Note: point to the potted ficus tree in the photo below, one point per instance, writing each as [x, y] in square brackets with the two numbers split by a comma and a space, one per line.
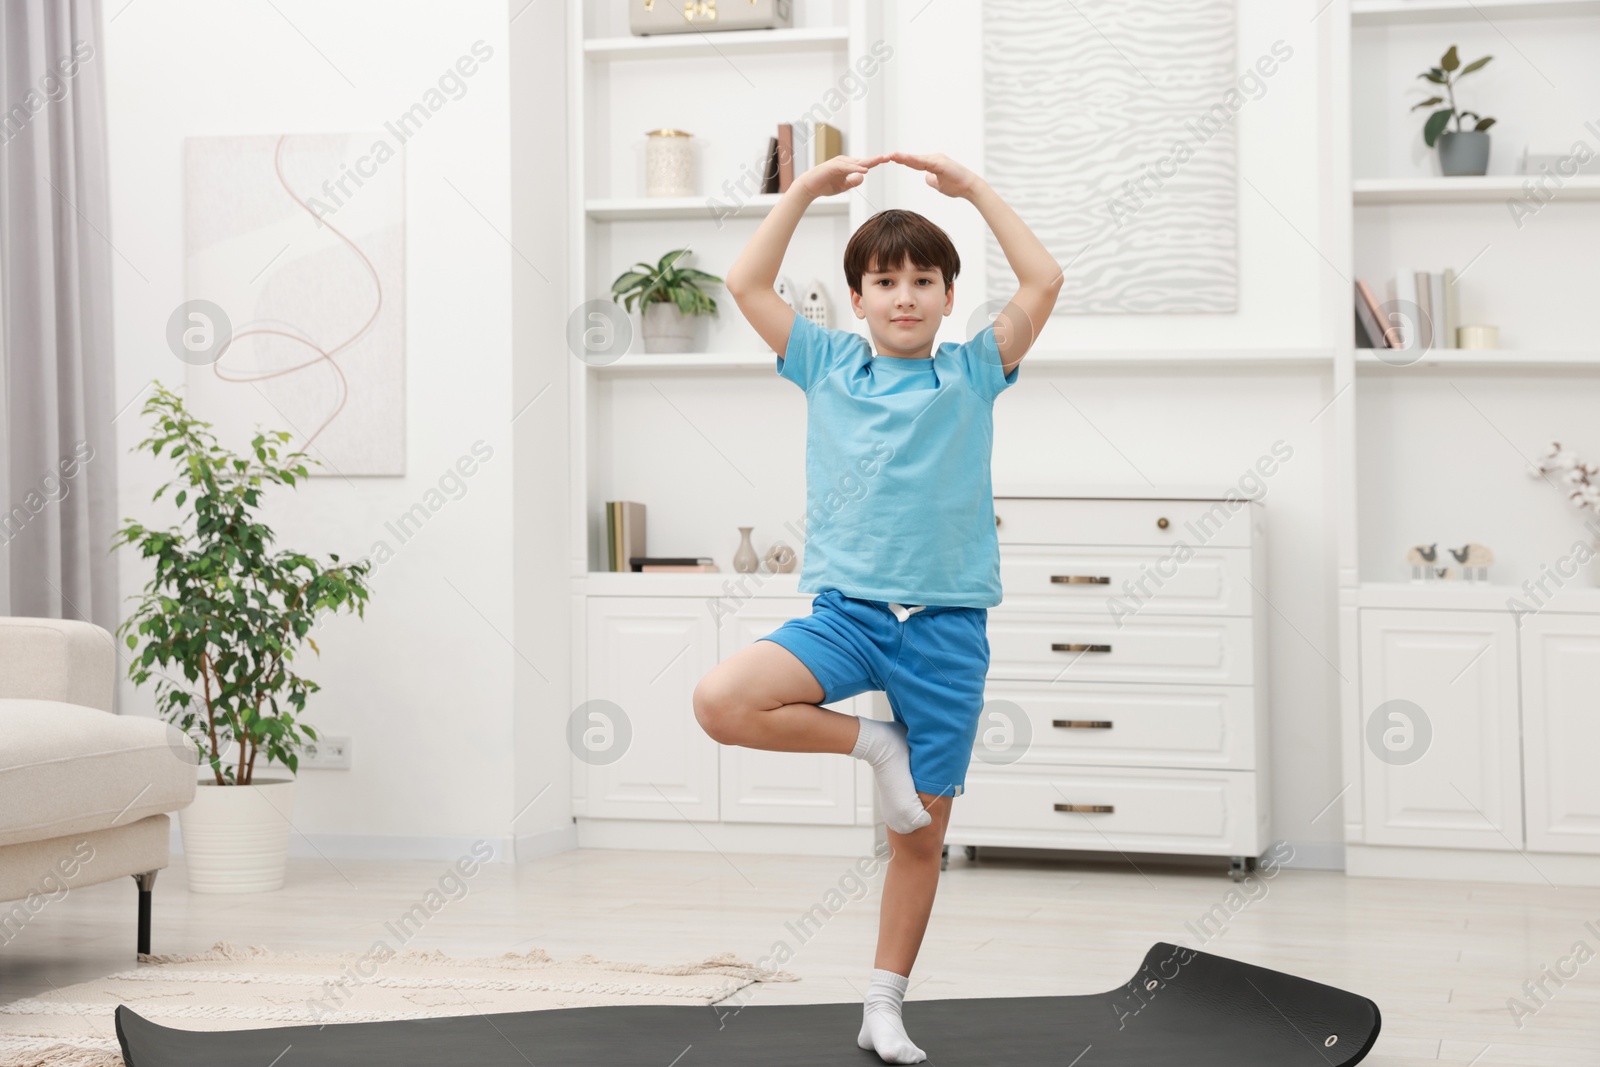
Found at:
[669, 297]
[227, 615]
[1461, 152]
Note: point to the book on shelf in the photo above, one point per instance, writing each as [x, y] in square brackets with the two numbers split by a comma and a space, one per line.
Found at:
[1384, 333]
[672, 564]
[1442, 334]
[769, 170]
[1424, 302]
[827, 142]
[1451, 302]
[1405, 298]
[624, 532]
[1368, 333]
[785, 156]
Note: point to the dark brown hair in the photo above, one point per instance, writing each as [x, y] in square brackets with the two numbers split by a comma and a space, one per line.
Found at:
[892, 237]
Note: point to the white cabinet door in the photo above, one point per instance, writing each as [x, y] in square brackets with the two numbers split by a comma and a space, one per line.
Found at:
[1561, 731]
[814, 788]
[645, 656]
[1451, 776]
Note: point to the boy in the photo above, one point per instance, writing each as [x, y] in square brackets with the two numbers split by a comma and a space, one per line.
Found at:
[906, 570]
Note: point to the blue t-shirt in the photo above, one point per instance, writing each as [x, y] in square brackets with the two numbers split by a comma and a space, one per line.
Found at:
[899, 500]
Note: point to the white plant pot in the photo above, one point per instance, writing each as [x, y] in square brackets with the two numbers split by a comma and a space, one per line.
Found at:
[666, 329]
[236, 837]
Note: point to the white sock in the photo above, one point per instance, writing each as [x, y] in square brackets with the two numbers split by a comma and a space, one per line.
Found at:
[883, 745]
[882, 1030]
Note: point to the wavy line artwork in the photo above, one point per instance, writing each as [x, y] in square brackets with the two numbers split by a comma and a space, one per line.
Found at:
[1102, 129]
[316, 309]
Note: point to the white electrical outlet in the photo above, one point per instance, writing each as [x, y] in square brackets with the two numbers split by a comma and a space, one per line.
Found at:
[329, 752]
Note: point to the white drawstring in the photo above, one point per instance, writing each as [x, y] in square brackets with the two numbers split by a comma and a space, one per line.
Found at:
[904, 613]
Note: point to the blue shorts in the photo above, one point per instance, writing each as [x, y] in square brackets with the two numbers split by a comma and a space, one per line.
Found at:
[931, 666]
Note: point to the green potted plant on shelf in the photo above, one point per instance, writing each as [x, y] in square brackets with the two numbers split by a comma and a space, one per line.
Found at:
[229, 615]
[1461, 152]
[670, 299]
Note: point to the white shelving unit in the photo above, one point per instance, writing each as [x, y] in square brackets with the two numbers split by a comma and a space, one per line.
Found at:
[1422, 443]
[642, 640]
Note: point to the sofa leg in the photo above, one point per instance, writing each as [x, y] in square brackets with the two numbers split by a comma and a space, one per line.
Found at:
[147, 882]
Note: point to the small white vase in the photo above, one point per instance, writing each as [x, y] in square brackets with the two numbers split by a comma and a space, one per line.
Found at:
[236, 837]
[667, 329]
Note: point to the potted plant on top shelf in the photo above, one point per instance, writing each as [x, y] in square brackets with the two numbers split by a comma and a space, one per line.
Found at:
[1461, 152]
[670, 299]
[229, 614]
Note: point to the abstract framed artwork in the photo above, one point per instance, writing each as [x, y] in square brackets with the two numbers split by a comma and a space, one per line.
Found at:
[299, 240]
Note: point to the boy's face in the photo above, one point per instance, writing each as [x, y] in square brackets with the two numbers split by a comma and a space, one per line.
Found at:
[903, 308]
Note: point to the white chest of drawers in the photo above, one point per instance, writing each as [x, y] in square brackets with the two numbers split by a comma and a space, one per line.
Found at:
[1125, 708]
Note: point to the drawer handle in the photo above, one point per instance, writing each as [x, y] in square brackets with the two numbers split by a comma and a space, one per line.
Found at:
[1162, 522]
[1083, 724]
[1080, 579]
[1060, 646]
[1087, 808]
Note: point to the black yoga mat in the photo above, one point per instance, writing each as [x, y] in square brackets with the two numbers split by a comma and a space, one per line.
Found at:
[1183, 1007]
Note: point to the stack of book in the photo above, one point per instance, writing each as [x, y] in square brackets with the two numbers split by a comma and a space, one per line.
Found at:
[780, 169]
[1423, 311]
[625, 544]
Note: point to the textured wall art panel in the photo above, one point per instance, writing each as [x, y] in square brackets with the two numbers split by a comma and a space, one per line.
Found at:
[1109, 125]
[300, 240]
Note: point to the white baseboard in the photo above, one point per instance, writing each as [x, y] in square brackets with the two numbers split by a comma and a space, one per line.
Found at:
[760, 838]
[1563, 869]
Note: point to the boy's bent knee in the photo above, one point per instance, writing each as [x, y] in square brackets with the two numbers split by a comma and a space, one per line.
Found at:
[715, 709]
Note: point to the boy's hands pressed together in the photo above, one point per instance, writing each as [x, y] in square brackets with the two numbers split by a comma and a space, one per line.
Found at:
[944, 174]
[837, 175]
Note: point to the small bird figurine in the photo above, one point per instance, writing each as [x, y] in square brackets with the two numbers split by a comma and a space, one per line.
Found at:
[1421, 558]
[1474, 559]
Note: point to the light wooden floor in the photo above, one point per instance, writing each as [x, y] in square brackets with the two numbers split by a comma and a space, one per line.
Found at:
[1441, 959]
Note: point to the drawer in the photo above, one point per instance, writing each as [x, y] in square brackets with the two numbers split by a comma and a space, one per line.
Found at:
[1109, 725]
[1095, 648]
[1130, 809]
[1079, 521]
[1123, 581]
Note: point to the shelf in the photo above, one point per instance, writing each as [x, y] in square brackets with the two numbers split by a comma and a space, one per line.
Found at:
[1494, 187]
[694, 584]
[1476, 596]
[723, 43]
[1398, 12]
[649, 362]
[1489, 359]
[645, 208]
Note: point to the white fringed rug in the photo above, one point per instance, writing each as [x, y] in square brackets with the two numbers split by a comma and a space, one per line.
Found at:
[231, 988]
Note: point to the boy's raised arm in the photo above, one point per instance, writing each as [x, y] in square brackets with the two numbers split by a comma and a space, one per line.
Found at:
[751, 278]
[1038, 274]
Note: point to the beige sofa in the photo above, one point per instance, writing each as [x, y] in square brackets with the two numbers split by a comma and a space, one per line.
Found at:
[84, 793]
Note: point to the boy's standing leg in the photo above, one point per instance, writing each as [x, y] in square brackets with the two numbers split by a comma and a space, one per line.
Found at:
[908, 891]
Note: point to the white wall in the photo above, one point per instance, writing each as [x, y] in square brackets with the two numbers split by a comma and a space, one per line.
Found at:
[424, 683]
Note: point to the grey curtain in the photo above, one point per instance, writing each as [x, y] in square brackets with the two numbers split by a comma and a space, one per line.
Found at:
[58, 463]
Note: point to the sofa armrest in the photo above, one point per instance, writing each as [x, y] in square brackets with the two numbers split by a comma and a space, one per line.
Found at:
[57, 659]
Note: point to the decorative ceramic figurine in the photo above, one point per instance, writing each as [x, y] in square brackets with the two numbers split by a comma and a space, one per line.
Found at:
[780, 558]
[1421, 558]
[1475, 558]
